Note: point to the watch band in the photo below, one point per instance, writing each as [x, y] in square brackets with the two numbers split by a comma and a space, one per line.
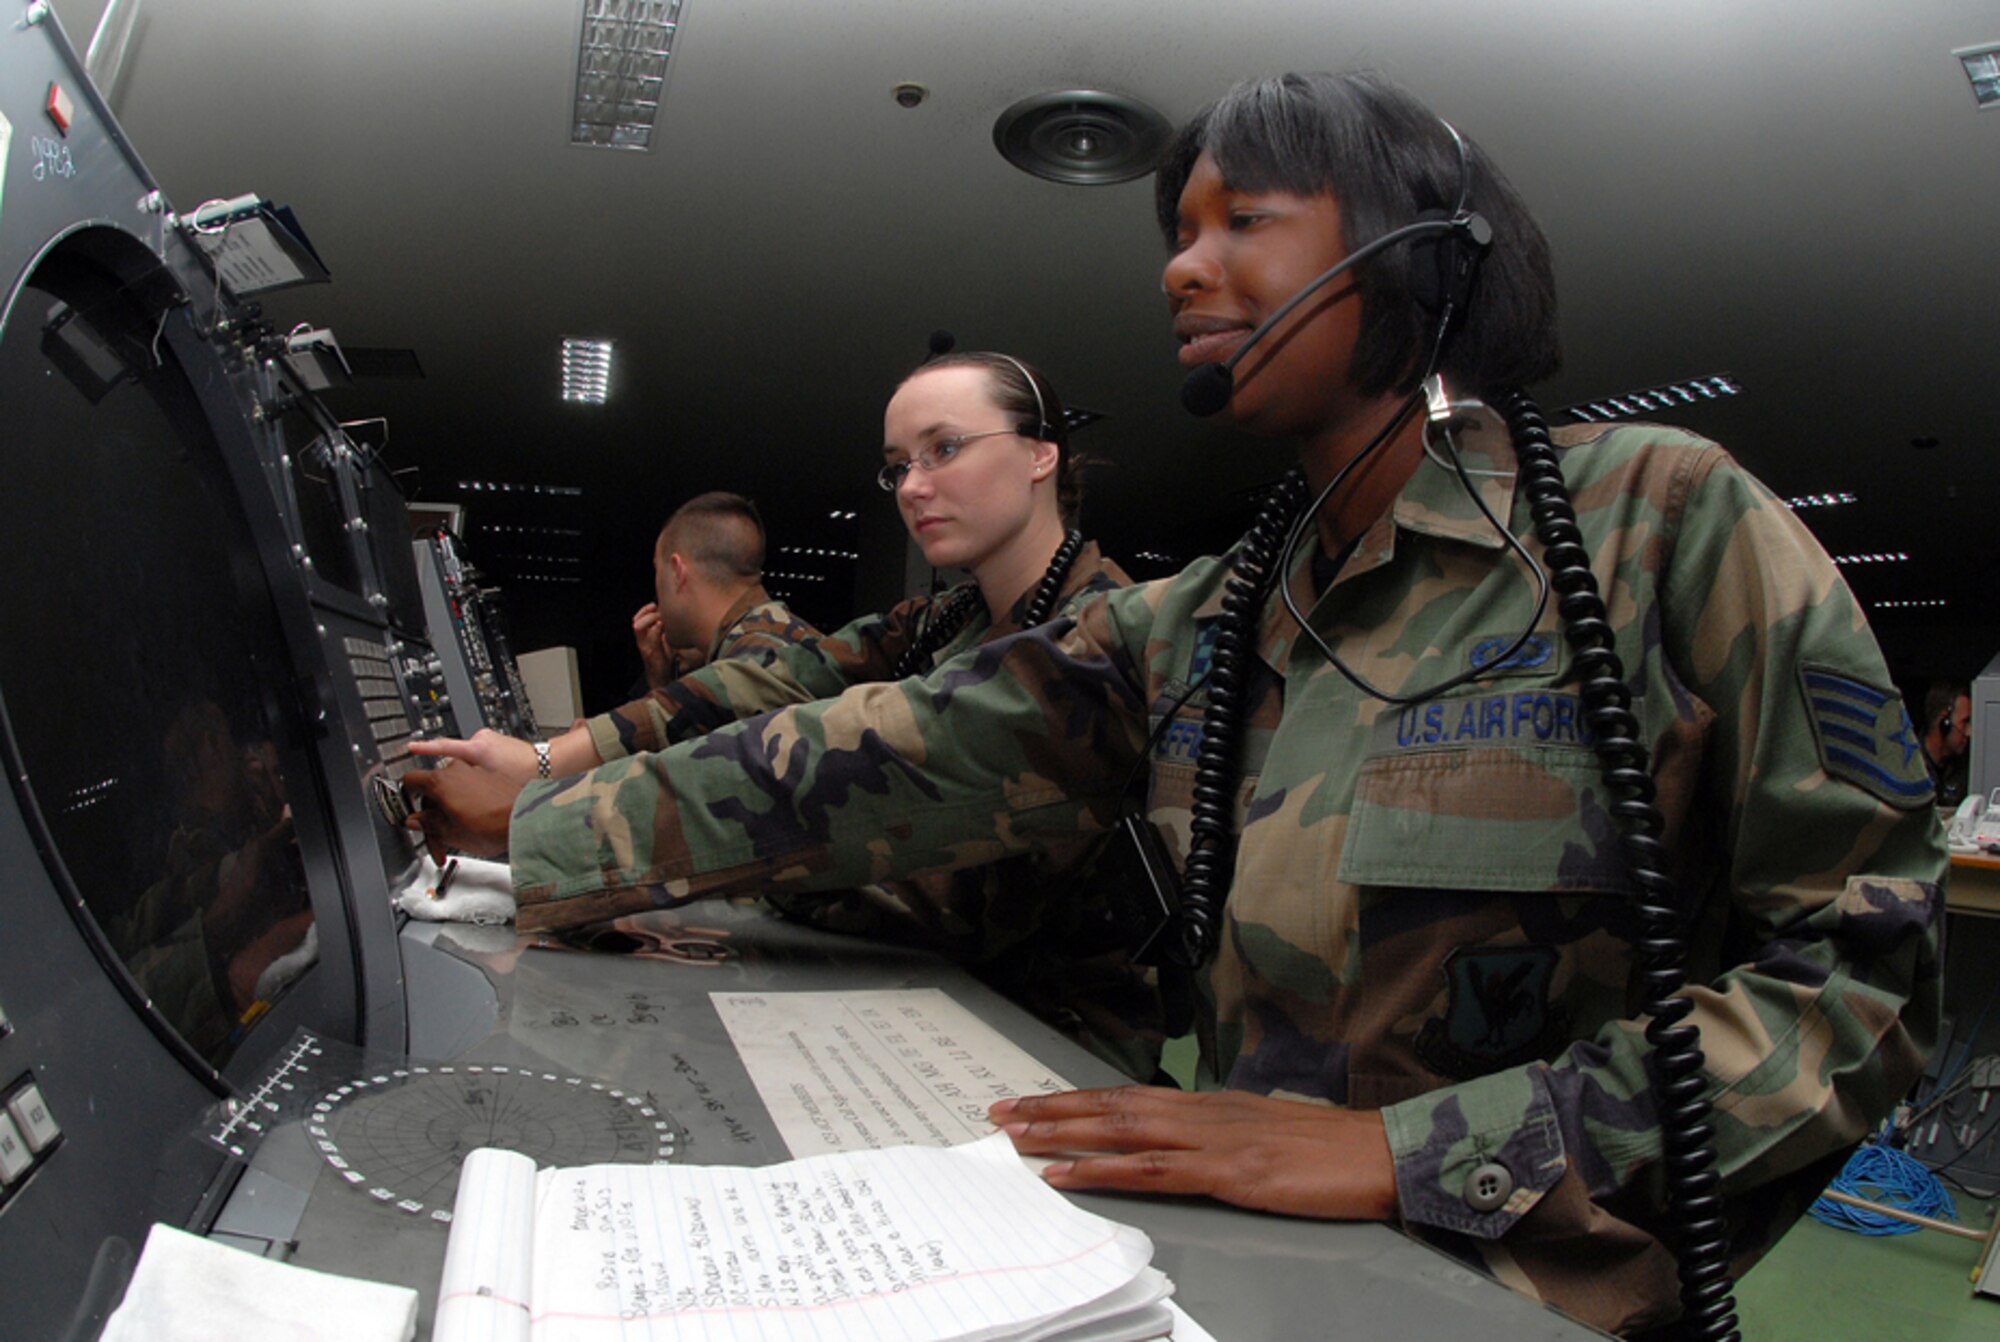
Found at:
[542, 758]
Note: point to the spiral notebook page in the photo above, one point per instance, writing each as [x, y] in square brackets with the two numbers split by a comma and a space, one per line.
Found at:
[483, 1296]
[863, 1246]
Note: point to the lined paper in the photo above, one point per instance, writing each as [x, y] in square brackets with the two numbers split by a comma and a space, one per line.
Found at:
[869, 1246]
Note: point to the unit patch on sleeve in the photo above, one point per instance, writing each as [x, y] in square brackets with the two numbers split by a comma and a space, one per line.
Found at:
[1865, 737]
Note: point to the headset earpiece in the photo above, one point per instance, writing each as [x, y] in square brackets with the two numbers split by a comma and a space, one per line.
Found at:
[1039, 428]
[1444, 264]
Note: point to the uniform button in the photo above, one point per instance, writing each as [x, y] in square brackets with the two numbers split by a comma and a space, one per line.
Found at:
[1488, 1188]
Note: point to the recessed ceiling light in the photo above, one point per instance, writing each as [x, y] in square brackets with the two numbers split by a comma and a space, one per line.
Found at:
[1082, 137]
[621, 70]
[586, 370]
[1982, 68]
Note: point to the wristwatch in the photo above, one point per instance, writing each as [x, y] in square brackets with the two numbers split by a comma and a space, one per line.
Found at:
[542, 759]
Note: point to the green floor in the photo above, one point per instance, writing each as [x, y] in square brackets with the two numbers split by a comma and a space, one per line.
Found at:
[1831, 1285]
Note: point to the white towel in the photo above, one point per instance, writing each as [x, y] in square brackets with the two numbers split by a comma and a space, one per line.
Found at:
[189, 1289]
[481, 892]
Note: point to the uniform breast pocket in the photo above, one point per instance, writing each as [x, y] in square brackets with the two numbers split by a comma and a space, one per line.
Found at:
[1487, 883]
[1503, 819]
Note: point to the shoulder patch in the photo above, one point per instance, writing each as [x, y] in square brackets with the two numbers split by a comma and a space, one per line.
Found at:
[1865, 737]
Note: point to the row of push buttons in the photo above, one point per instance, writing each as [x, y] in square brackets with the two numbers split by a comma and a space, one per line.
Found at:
[27, 1128]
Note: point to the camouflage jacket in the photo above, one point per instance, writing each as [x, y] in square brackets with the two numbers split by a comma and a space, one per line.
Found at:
[753, 631]
[1428, 903]
[1034, 926]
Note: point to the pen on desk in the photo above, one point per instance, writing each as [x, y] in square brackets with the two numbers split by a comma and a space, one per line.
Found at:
[444, 878]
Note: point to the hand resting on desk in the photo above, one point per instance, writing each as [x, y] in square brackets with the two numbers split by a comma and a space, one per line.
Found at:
[1283, 1156]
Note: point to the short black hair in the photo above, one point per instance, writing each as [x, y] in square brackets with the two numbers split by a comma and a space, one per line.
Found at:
[1385, 158]
[1941, 698]
[719, 533]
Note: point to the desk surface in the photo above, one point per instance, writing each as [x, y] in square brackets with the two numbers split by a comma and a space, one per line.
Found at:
[645, 1023]
[1973, 885]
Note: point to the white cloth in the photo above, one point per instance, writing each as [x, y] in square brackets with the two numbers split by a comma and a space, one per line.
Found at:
[189, 1289]
[480, 892]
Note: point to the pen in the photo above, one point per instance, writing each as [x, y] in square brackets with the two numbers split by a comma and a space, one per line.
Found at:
[444, 878]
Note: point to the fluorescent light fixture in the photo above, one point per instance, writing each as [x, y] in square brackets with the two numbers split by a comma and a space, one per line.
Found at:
[1982, 68]
[1820, 501]
[621, 70]
[1628, 404]
[1931, 603]
[586, 370]
[507, 487]
[1894, 558]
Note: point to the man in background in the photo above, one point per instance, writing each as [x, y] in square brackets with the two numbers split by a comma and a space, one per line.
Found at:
[1948, 740]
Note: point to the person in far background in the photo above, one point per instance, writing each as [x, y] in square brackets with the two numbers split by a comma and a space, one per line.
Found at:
[709, 605]
[662, 664]
[1948, 740]
[976, 452]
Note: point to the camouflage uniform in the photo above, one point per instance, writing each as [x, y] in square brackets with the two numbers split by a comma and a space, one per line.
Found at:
[754, 630]
[1059, 957]
[1427, 902]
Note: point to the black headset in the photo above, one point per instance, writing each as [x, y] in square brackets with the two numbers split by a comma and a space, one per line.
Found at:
[1446, 251]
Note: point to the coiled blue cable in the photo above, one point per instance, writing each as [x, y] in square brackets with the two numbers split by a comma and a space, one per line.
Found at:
[1885, 1175]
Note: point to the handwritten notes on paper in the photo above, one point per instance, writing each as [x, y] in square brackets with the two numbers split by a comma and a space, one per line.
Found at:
[866, 1070]
[906, 1243]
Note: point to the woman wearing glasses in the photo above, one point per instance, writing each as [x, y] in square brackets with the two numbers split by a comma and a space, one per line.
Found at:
[1458, 781]
[976, 452]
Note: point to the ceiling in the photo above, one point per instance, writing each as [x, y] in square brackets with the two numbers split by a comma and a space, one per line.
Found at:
[1802, 195]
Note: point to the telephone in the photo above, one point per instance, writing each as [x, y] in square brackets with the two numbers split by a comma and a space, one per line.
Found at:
[1976, 825]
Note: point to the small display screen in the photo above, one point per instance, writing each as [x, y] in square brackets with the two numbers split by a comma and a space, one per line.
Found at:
[389, 539]
[142, 669]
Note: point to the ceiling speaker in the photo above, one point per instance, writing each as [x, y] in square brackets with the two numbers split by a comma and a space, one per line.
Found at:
[1081, 136]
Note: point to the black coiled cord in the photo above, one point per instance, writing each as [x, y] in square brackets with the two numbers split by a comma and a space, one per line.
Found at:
[1694, 1203]
[950, 616]
[1204, 877]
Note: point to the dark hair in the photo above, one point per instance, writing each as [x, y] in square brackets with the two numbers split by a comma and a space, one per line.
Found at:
[1385, 158]
[1941, 698]
[719, 533]
[1013, 393]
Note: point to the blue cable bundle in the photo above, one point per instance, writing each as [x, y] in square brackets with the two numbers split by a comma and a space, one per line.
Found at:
[1885, 1175]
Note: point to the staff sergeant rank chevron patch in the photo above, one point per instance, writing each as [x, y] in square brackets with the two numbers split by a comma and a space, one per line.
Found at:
[1865, 737]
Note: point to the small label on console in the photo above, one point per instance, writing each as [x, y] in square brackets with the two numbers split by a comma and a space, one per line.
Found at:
[6, 138]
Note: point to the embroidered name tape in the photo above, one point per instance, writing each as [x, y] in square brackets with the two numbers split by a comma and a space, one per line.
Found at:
[1514, 718]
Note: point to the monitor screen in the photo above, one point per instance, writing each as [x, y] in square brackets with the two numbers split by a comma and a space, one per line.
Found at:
[142, 667]
[389, 534]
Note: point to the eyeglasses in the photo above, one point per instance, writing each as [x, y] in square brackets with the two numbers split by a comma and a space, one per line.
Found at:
[941, 453]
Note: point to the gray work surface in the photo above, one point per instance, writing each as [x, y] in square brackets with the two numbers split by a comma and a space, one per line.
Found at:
[644, 1023]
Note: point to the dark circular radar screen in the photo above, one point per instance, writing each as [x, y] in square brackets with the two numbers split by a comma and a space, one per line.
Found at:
[399, 1135]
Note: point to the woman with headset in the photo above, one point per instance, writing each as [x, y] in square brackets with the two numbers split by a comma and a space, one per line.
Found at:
[976, 454]
[1423, 754]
